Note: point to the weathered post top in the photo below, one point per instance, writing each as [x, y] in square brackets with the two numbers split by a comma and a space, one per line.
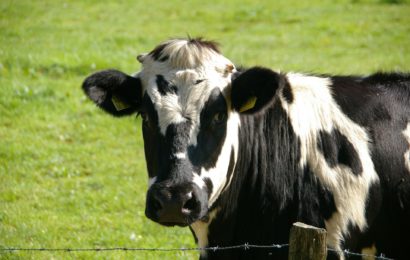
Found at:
[307, 242]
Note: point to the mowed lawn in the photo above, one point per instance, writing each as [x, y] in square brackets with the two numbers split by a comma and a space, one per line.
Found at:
[73, 177]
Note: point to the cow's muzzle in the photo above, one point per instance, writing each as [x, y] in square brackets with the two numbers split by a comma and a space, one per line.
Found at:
[171, 205]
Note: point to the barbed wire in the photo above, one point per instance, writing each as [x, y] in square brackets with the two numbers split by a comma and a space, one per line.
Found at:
[347, 252]
[245, 246]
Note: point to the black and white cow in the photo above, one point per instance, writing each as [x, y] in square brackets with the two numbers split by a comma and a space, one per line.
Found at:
[241, 155]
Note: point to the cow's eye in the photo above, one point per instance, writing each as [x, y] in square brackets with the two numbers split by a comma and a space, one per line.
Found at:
[219, 118]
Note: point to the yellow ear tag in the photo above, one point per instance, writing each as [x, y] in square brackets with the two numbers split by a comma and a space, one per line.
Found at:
[118, 104]
[250, 103]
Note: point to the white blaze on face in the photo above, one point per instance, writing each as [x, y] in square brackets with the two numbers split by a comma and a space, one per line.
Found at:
[406, 134]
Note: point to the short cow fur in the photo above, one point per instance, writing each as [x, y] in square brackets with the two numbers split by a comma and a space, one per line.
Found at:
[240, 155]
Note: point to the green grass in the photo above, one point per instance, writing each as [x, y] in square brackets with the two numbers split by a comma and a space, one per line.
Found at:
[71, 176]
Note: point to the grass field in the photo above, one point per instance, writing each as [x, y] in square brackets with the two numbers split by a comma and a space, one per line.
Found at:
[71, 176]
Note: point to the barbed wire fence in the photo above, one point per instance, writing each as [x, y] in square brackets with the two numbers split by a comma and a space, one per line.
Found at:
[304, 229]
[245, 246]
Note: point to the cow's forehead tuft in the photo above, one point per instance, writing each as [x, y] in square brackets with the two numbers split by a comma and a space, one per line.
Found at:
[184, 53]
[176, 55]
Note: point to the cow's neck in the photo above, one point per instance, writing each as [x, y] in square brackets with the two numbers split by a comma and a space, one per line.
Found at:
[262, 185]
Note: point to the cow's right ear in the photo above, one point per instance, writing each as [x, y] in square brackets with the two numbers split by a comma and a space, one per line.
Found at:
[254, 89]
[114, 91]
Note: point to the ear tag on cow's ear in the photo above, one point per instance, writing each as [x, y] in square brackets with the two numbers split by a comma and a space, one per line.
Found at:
[249, 104]
[118, 104]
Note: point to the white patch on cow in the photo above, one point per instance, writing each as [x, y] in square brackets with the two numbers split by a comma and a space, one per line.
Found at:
[406, 134]
[168, 107]
[369, 253]
[198, 181]
[200, 229]
[151, 181]
[180, 156]
[313, 110]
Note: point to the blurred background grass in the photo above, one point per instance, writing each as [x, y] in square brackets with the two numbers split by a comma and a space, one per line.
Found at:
[71, 176]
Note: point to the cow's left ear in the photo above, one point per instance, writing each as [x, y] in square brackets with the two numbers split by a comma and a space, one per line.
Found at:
[254, 89]
[114, 91]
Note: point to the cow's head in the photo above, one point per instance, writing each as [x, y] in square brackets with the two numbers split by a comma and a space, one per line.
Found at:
[190, 121]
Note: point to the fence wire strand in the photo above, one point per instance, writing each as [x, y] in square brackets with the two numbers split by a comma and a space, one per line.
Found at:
[245, 246]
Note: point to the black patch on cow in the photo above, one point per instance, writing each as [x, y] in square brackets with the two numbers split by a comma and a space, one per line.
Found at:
[287, 92]
[312, 199]
[368, 100]
[327, 205]
[337, 149]
[199, 81]
[164, 87]
[209, 186]
[177, 137]
[157, 52]
[388, 79]
[163, 59]
[152, 137]
[211, 136]
[381, 113]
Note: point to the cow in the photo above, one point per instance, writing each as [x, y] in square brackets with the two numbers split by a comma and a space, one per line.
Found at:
[239, 154]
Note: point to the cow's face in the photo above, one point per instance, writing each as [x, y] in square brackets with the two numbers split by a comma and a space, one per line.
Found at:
[186, 116]
[183, 89]
[190, 124]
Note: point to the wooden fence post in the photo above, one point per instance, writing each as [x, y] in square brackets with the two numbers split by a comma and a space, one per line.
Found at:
[307, 242]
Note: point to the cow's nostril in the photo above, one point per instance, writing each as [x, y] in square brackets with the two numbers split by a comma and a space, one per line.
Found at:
[156, 205]
[189, 205]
